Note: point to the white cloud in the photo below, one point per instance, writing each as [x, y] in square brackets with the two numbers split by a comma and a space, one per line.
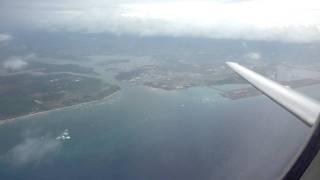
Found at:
[270, 20]
[5, 37]
[253, 56]
[32, 150]
[14, 63]
[252, 20]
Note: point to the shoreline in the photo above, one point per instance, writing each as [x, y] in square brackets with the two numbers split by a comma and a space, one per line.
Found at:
[4, 121]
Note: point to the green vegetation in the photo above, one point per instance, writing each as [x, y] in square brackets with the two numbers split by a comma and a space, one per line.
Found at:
[16, 105]
[23, 94]
[53, 68]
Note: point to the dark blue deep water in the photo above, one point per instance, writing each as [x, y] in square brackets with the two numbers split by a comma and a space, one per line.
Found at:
[147, 134]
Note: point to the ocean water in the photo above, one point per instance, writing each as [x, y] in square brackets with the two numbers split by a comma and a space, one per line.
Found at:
[147, 134]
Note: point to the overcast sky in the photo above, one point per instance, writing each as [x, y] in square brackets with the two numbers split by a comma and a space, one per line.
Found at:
[280, 20]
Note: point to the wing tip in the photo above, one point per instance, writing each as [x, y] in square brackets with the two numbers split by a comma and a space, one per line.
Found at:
[231, 64]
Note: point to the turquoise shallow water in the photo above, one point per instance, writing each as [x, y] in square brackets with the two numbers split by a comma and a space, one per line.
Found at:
[143, 133]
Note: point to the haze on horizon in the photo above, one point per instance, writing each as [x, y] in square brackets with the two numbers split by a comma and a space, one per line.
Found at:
[272, 20]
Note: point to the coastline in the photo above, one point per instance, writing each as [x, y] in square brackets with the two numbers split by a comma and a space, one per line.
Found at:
[35, 114]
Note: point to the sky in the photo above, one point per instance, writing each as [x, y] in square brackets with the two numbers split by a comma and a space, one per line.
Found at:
[267, 20]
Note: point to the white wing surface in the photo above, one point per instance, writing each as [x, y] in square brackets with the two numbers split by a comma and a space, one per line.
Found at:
[305, 108]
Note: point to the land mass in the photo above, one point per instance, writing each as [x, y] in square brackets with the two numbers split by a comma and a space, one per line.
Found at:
[23, 94]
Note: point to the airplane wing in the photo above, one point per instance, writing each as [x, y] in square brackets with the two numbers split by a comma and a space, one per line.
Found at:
[305, 108]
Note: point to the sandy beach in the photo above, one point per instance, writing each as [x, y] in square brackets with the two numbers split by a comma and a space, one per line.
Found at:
[2, 122]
